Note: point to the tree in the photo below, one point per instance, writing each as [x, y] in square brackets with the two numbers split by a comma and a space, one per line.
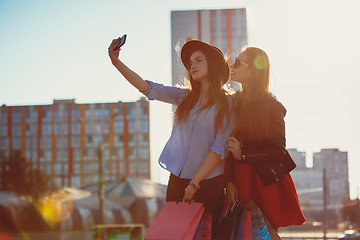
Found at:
[18, 177]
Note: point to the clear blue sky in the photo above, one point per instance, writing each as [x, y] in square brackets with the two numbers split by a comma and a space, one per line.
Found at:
[58, 49]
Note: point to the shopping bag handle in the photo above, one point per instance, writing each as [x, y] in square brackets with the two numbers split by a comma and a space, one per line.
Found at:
[236, 203]
[192, 201]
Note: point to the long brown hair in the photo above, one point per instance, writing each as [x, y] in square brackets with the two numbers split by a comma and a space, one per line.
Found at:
[252, 115]
[217, 96]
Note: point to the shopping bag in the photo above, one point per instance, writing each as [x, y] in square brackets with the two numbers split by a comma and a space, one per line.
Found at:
[243, 227]
[177, 221]
[259, 228]
[230, 223]
[206, 229]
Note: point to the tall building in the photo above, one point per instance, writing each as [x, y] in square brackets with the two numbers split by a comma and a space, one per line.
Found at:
[64, 139]
[335, 165]
[309, 182]
[223, 28]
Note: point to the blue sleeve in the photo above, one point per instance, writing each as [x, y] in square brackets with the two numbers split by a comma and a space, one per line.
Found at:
[219, 146]
[168, 94]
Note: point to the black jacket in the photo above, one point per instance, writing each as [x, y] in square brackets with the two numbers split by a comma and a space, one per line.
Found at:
[267, 155]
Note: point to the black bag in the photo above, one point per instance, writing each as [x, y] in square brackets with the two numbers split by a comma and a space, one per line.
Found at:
[276, 165]
[230, 221]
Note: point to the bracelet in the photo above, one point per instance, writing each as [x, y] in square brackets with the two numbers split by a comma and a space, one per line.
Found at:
[193, 184]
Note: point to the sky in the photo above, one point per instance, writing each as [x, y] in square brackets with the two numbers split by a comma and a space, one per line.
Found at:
[58, 50]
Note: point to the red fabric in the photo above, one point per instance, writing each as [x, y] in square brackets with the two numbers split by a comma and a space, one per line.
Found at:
[278, 202]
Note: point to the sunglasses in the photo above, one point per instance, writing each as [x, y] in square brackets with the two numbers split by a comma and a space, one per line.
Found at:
[237, 63]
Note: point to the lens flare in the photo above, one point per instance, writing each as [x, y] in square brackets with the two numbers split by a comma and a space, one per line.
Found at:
[260, 62]
[54, 211]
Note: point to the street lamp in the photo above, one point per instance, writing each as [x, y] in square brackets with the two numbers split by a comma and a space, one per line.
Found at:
[101, 184]
[324, 200]
[100, 149]
[325, 191]
[101, 177]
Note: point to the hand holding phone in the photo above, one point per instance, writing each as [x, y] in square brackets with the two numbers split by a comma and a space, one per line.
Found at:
[122, 41]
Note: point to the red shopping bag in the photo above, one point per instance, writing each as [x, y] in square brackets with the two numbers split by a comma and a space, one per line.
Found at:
[176, 221]
[247, 225]
[206, 233]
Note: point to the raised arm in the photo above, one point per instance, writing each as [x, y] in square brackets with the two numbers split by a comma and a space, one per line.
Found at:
[129, 74]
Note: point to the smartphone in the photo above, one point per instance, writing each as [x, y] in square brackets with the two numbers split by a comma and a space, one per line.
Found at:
[122, 40]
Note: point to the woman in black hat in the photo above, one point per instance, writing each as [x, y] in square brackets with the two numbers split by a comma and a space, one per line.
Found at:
[193, 154]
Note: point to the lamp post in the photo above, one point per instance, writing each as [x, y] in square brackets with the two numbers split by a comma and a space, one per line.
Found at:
[101, 184]
[101, 176]
[325, 192]
[324, 200]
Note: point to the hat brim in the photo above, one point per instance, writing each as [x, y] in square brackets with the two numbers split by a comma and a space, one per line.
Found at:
[191, 46]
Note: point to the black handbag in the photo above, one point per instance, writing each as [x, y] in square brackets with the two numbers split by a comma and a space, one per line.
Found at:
[272, 166]
[229, 222]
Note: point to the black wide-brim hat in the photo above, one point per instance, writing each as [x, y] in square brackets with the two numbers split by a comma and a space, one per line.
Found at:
[211, 51]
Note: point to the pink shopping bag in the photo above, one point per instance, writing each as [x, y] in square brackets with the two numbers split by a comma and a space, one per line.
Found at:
[176, 221]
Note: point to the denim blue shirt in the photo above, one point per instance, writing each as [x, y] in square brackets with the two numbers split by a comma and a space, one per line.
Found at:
[192, 139]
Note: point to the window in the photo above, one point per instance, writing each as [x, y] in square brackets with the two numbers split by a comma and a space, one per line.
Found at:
[132, 113]
[16, 130]
[121, 138]
[16, 116]
[57, 128]
[75, 128]
[118, 126]
[75, 114]
[65, 129]
[46, 129]
[132, 153]
[144, 126]
[144, 153]
[59, 142]
[87, 128]
[97, 114]
[131, 126]
[3, 130]
[106, 113]
[16, 143]
[3, 117]
[105, 138]
[134, 138]
[57, 117]
[144, 111]
[4, 143]
[35, 116]
[75, 140]
[48, 155]
[87, 113]
[45, 114]
[121, 153]
[145, 138]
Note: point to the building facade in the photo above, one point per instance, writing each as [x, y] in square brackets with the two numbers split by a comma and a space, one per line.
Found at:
[334, 164]
[223, 28]
[66, 140]
[309, 182]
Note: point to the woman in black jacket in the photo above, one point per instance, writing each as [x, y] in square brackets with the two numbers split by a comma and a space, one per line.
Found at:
[257, 168]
